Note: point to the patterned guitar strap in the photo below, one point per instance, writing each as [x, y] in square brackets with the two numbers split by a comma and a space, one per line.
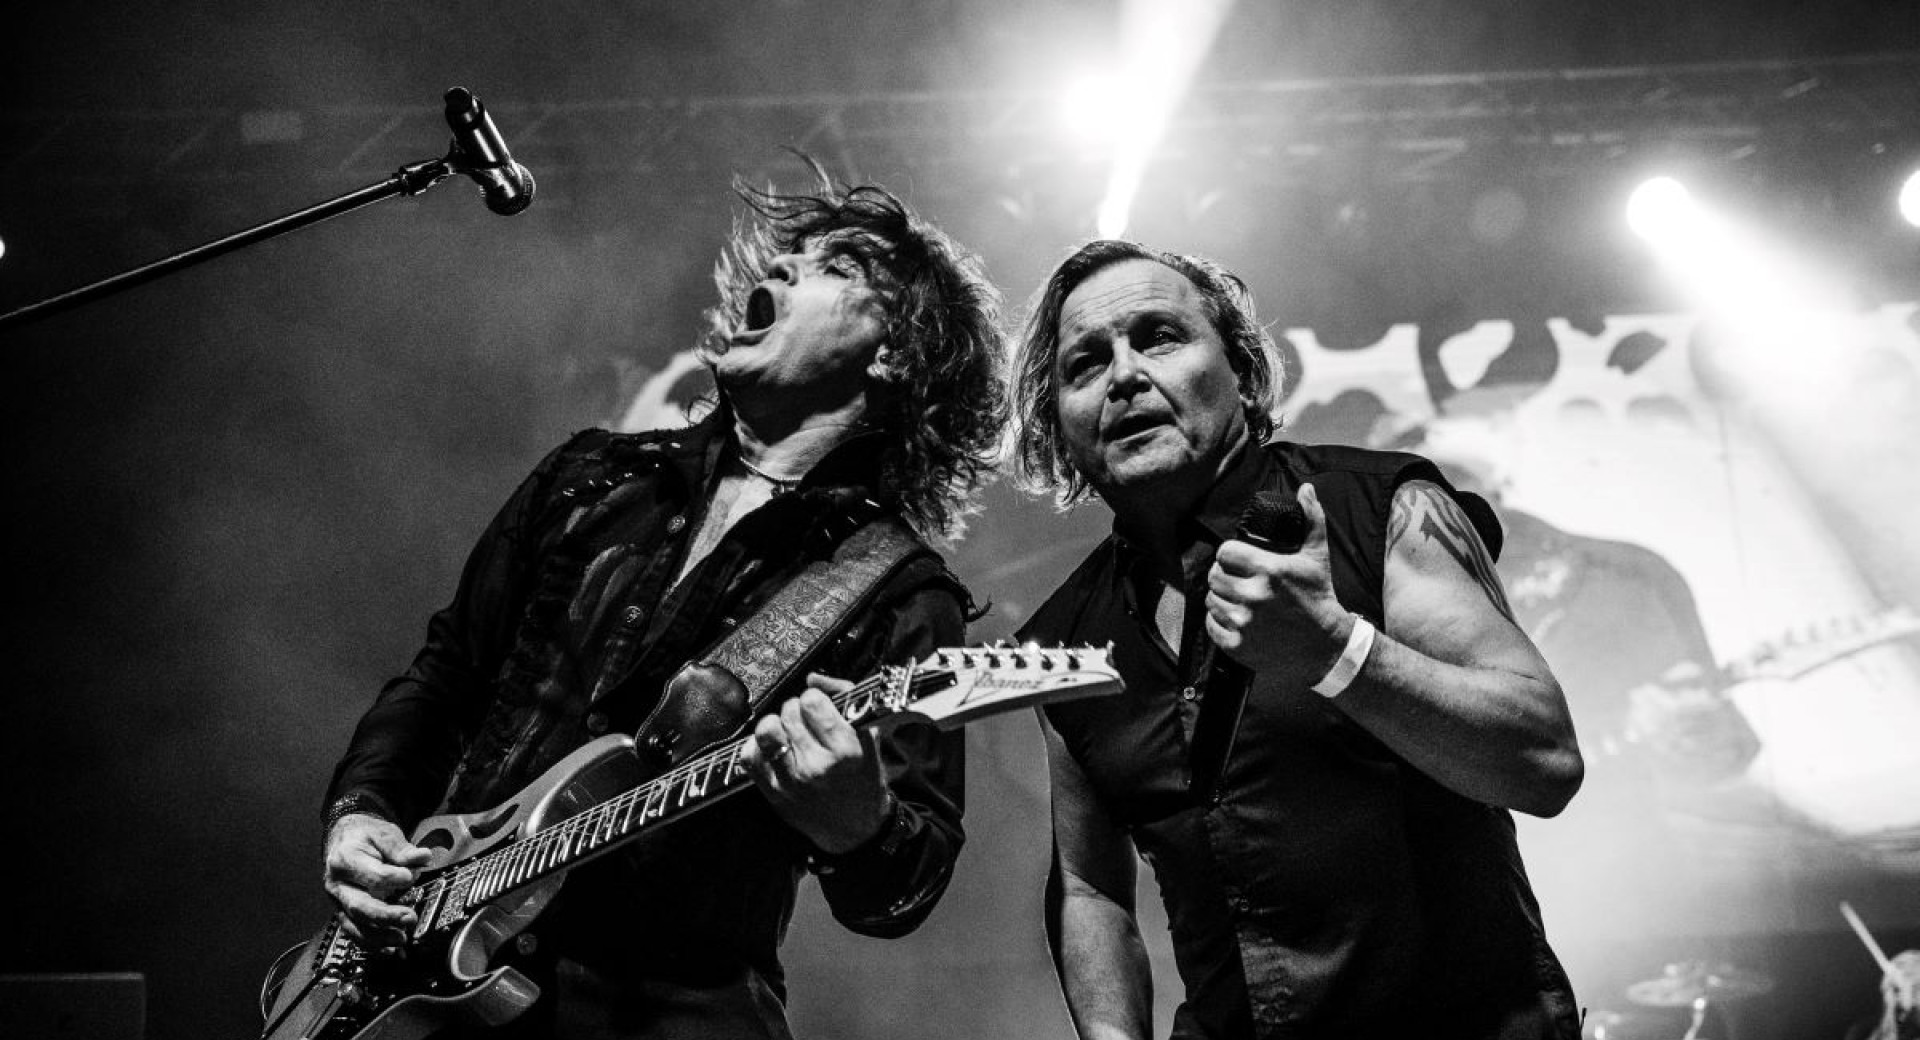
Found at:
[771, 647]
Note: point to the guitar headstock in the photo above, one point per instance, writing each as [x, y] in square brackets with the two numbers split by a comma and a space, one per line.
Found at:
[954, 686]
[1798, 652]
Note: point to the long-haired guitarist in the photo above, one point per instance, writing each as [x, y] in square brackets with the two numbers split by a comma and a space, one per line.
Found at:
[856, 351]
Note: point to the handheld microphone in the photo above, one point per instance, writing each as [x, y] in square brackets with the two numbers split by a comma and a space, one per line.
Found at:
[1273, 522]
[482, 154]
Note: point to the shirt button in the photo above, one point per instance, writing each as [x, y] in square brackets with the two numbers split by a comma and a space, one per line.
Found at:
[1189, 693]
[597, 723]
[632, 617]
[675, 525]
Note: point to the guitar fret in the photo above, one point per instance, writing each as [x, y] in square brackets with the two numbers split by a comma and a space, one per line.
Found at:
[507, 866]
[1028, 676]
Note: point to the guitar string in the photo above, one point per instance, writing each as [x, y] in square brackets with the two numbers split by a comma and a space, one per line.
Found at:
[546, 841]
[560, 838]
[557, 841]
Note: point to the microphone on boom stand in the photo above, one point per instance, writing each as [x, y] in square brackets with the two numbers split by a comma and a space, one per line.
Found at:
[481, 153]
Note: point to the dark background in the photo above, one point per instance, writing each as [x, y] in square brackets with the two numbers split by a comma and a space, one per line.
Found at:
[236, 494]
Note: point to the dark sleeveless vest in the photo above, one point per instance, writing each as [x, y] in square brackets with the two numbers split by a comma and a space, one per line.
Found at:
[1331, 889]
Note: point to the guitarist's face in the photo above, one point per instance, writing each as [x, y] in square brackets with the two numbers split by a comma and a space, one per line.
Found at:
[812, 328]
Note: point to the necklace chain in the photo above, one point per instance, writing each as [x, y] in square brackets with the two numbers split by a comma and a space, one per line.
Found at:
[764, 475]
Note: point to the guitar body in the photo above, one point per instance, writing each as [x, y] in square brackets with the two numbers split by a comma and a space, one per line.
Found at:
[336, 990]
[489, 875]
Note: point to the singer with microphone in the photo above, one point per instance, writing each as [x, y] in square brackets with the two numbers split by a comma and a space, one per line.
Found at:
[655, 585]
[1329, 710]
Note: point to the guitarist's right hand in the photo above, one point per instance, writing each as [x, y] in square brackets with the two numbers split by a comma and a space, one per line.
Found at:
[369, 861]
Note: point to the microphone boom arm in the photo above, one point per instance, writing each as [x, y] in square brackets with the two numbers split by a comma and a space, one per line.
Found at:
[411, 179]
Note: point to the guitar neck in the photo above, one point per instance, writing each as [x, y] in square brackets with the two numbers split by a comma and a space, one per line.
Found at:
[951, 688]
[701, 780]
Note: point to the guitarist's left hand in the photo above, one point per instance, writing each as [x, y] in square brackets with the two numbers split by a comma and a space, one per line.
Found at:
[821, 775]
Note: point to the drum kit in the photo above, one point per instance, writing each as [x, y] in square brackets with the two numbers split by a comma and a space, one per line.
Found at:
[1689, 992]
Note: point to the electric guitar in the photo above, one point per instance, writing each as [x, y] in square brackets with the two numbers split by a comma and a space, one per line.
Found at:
[492, 873]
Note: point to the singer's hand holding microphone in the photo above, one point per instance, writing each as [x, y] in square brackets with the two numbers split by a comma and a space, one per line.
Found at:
[1270, 600]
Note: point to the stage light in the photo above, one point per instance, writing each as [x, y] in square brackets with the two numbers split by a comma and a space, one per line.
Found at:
[1098, 108]
[1780, 314]
[1661, 208]
[1910, 199]
[1162, 43]
[1116, 207]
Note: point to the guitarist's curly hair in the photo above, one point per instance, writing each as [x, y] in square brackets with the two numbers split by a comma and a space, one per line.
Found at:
[940, 398]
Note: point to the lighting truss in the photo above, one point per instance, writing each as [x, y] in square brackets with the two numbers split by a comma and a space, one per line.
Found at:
[1413, 128]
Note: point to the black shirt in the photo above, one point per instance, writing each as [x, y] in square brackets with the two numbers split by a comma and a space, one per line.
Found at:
[1324, 887]
[567, 624]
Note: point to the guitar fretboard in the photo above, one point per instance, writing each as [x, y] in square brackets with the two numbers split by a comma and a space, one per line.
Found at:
[450, 897]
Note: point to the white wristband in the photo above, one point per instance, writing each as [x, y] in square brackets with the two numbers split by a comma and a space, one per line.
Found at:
[1359, 645]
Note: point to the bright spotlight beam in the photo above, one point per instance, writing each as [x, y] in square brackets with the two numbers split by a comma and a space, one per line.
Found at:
[1162, 44]
[1785, 313]
[1910, 199]
[1660, 209]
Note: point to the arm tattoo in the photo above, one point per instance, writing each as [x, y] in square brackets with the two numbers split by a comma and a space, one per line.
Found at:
[1421, 505]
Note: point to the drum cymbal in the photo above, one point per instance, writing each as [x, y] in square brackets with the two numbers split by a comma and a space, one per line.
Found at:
[1682, 983]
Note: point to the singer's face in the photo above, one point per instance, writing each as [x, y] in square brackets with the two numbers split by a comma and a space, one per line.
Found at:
[812, 327]
[1147, 398]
